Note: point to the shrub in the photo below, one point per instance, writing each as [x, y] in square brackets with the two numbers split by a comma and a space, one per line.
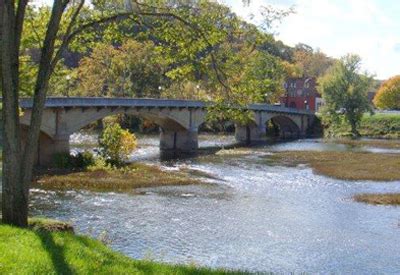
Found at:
[83, 160]
[62, 160]
[100, 164]
[116, 144]
[68, 161]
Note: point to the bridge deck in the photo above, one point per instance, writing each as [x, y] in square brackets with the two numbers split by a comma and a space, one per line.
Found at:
[63, 102]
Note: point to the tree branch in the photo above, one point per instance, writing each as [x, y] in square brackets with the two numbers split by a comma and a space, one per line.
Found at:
[65, 41]
[19, 22]
[202, 35]
[122, 16]
[39, 41]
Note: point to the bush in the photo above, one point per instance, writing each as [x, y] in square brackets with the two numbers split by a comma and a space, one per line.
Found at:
[116, 144]
[100, 164]
[68, 161]
[83, 160]
[62, 160]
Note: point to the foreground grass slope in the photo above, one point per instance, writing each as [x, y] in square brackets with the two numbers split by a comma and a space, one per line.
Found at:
[25, 251]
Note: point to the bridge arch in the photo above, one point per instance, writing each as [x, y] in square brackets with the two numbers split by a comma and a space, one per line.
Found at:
[45, 128]
[283, 126]
[178, 127]
[165, 121]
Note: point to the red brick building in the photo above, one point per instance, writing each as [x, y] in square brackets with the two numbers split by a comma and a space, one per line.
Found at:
[301, 93]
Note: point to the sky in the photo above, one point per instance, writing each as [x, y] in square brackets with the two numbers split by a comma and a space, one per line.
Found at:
[369, 28]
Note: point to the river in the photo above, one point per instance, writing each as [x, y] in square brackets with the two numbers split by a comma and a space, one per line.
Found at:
[253, 216]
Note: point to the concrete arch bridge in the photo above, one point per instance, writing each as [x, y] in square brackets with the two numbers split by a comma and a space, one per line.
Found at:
[179, 121]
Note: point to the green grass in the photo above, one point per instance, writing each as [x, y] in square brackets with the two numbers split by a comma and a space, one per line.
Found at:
[381, 125]
[375, 126]
[27, 251]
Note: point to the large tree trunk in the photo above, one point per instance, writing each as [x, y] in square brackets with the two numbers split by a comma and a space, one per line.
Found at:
[17, 161]
[14, 199]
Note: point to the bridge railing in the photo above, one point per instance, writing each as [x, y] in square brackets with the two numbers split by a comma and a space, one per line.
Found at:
[53, 102]
[60, 102]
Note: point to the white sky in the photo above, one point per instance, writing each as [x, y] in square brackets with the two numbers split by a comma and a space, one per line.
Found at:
[370, 28]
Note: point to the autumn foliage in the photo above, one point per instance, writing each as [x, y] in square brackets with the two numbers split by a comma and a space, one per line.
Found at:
[388, 95]
[116, 144]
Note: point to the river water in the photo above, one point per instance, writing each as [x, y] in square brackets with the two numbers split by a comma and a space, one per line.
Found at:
[253, 216]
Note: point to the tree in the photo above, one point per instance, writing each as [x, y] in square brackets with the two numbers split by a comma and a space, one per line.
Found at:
[311, 63]
[259, 79]
[63, 26]
[388, 95]
[72, 24]
[133, 69]
[17, 159]
[344, 90]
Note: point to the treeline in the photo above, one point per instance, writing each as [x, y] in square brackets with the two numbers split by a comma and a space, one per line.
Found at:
[187, 50]
[198, 50]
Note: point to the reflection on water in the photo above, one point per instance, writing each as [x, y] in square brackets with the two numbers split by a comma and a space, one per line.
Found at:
[257, 217]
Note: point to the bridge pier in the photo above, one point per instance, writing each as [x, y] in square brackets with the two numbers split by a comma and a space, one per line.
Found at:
[248, 134]
[175, 143]
[49, 147]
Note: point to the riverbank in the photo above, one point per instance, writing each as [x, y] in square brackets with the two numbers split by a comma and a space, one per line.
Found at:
[380, 125]
[344, 165]
[34, 251]
[377, 143]
[136, 175]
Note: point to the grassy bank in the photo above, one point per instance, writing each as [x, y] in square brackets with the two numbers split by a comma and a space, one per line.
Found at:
[380, 125]
[345, 165]
[115, 180]
[28, 251]
[384, 126]
[379, 199]
[378, 143]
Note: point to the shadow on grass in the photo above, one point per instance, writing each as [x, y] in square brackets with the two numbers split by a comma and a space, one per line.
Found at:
[56, 253]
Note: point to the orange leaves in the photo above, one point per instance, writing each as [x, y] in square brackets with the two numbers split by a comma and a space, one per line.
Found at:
[388, 95]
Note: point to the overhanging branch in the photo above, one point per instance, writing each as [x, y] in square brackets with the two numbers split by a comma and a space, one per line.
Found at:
[126, 15]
